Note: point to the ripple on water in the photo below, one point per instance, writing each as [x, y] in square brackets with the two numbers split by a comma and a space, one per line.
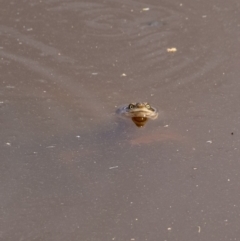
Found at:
[143, 33]
[132, 37]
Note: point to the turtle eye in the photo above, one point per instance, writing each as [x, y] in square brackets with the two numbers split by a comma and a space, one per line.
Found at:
[130, 106]
[148, 106]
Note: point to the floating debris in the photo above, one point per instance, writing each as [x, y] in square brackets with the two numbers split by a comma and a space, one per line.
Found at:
[172, 50]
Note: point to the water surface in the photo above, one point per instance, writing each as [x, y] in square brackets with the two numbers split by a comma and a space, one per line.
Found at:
[71, 169]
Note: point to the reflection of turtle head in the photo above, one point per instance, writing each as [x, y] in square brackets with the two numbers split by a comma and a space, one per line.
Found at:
[139, 121]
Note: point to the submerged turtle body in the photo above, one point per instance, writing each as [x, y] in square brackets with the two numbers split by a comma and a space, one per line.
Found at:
[139, 112]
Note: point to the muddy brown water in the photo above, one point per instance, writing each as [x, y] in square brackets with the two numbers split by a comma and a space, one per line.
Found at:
[70, 169]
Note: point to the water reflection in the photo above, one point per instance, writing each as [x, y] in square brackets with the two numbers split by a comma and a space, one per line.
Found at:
[139, 121]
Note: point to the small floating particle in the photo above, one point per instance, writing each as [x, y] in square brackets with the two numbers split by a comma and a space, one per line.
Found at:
[123, 74]
[29, 29]
[166, 126]
[50, 147]
[172, 50]
[204, 16]
[169, 229]
[232, 133]
[78, 137]
[210, 142]
[10, 87]
[199, 229]
[113, 167]
[94, 73]
[146, 9]
[8, 144]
